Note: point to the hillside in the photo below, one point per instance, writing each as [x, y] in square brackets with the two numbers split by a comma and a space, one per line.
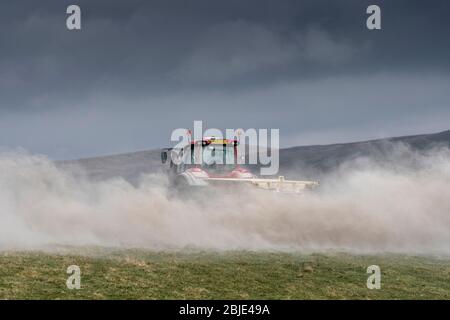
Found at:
[304, 161]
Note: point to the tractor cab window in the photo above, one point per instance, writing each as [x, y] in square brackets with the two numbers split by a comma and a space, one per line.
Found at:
[218, 154]
[216, 157]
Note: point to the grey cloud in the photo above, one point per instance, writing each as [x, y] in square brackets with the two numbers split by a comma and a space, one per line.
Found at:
[319, 47]
[235, 48]
[138, 69]
[327, 110]
[238, 48]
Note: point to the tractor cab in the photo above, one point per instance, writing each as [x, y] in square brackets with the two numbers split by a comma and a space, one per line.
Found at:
[215, 156]
[210, 156]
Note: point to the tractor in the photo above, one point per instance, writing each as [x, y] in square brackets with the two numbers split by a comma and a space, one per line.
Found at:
[214, 162]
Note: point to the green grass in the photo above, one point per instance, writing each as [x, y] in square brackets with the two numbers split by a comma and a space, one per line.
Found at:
[139, 274]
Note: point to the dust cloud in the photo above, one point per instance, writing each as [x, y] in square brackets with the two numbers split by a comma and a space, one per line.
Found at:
[363, 206]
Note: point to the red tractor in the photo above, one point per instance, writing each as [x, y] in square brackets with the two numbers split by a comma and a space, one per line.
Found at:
[213, 161]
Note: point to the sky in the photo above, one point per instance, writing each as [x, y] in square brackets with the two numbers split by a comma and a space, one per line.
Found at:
[138, 69]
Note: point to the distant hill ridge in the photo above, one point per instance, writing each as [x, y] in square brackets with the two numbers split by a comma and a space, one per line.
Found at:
[303, 161]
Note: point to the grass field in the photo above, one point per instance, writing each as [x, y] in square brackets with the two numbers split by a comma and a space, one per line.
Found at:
[139, 274]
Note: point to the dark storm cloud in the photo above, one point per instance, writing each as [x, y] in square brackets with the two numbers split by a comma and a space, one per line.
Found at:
[138, 69]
